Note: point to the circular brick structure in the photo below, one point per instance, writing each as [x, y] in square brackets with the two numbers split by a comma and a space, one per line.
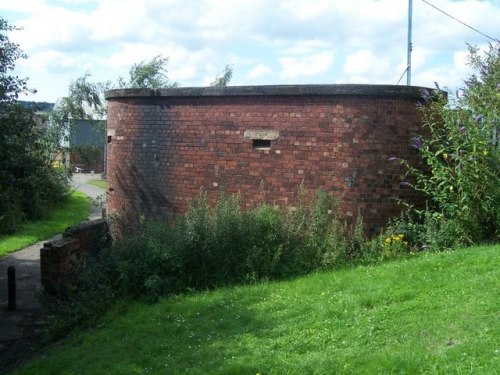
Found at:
[262, 142]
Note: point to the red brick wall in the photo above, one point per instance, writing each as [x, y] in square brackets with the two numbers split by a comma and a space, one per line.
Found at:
[57, 258]
[166, 145]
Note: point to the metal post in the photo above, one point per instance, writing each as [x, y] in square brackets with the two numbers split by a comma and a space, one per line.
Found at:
[11, 284]
[410, 46]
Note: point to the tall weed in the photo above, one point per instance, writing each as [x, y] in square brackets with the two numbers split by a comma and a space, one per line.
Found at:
[209, 247]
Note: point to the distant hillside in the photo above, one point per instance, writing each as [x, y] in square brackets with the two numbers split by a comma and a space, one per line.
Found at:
[37, 106]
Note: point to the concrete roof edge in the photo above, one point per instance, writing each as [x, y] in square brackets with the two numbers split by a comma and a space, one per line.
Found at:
[275, 90]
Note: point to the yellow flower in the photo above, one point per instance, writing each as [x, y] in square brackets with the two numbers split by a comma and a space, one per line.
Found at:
[485, 152]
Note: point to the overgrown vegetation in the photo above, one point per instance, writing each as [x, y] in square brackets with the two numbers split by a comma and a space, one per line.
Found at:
[432, 314]
[217, 246]
[29, 184]
[461, 154]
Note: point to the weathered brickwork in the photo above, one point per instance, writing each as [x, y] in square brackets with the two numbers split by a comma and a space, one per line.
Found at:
[263, 143]
[57, 258]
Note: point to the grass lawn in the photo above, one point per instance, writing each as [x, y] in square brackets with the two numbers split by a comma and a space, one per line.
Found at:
[103, 184]
[76, 209]
[432, 314]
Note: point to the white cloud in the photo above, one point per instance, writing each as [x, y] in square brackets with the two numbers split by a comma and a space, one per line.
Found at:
[360, 62]
[303, 47]
[47, 60]
[306, 66]
[129, 20]
[259, 71]
[52, 28]
[25, 6]
[366, 66]
[311, 41]
[131, 53]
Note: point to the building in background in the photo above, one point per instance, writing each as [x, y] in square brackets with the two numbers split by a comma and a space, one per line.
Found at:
[87, 145]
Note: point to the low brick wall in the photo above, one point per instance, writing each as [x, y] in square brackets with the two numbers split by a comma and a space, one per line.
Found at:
[57, 258]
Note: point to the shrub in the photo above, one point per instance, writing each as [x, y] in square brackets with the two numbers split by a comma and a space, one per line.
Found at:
[209, 247]
[29, 184]
[461, 153]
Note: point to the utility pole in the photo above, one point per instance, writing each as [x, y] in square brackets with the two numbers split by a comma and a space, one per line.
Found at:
[410, 46]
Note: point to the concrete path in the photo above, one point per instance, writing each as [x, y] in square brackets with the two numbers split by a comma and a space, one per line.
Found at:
[80, 183]
[20, 329]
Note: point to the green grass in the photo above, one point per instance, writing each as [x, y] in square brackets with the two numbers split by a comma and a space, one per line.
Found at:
[103, 184]
[432, 314]
[76, 209]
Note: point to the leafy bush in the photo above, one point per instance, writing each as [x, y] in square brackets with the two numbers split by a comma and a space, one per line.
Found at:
[209, 247]
[461, 153]
[431, 231]
[29, 184]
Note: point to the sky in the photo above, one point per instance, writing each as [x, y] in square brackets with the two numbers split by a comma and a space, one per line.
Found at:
[268, 42]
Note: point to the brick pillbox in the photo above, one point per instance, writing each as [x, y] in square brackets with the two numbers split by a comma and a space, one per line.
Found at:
[262, 142]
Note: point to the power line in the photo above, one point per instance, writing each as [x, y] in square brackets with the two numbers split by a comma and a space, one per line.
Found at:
[463, 23]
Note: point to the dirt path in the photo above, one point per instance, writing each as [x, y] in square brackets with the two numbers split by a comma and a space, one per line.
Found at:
[20, 330]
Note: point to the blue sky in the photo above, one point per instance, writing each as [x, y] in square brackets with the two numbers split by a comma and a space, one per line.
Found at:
[267, 41]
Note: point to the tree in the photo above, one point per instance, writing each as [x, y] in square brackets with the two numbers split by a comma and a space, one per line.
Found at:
[10, 86]
[148, 74]
[222, 79]
[29, 185]
[85, 100]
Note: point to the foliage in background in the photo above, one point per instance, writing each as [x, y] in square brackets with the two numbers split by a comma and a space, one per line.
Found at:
[222, 79]
[29, 184]
[85, 99]
[151, 74]
[461, 154]
[89, 154]
[37, 106]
